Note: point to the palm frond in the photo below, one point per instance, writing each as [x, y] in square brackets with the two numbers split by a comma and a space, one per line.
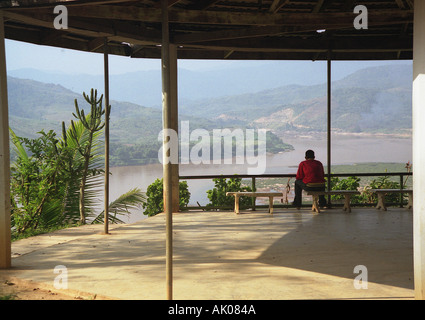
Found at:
[19, 148]
[132, 199]
[51, 213]
[77, 135]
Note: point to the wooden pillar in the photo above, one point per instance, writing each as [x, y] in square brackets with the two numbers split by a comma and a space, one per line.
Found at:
[5, 241]
[329, 145]
[418, 137]
[106, 191]
[167, 112]
[174, 123]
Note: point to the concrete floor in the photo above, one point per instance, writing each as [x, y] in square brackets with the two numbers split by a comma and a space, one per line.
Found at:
[219, 255]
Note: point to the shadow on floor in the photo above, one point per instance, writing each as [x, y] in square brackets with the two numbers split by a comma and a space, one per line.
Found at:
[334, 243]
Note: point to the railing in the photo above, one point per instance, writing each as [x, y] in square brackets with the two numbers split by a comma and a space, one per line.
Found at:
[253, 178]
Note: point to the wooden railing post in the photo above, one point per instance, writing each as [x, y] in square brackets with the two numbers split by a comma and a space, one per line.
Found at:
[253, 189]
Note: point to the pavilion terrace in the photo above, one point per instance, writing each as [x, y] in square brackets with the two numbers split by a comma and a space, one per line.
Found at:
[292, 254]
[241, 29]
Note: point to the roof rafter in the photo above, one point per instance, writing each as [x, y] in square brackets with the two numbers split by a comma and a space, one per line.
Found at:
[119, 31]
[276, 5]
[231, 18]
[310, 45]
[224, 29]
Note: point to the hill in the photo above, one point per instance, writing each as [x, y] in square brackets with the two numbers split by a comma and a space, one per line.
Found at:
[144, 87]
[376, 99]
[373, 100]
[228, 78]
[134, 129]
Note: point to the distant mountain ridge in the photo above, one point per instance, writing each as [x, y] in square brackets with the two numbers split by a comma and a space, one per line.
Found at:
[383, 91]
[144, 87]
[134, 129]
[374, 100]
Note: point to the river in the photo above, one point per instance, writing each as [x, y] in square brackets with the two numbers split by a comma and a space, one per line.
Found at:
[346, 149]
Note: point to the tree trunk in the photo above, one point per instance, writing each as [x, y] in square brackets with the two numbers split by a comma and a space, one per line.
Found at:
[83, 180]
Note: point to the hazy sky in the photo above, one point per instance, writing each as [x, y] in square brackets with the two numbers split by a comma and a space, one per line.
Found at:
[21, 55]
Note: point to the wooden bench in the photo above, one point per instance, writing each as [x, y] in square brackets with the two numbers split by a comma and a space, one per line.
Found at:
[346, 193]
[270, 195]
[381, 197]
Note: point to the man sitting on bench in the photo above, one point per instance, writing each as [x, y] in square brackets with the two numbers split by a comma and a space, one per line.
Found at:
[310, 177]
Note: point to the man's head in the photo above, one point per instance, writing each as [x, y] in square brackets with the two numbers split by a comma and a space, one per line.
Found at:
[309, 154]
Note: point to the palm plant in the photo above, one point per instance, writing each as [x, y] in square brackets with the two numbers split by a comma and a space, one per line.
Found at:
[93, 124]
[83, 190]
[121, 206]
[47, 177]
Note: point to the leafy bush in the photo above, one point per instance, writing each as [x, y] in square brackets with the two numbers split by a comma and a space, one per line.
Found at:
[353, 183]
[383, 183]
[36, 179]
[155, 194]
[217, 195]
[350, 183]
[55, 180]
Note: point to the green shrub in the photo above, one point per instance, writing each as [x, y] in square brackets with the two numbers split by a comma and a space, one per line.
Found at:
[350, 183]
[384, 183]
[217, 195]
[353, 183]
[155, 194]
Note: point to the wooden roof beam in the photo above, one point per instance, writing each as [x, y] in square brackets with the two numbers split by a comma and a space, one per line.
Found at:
[203, 4]
[350, 44]
[118, 31]
[318, 6]
[400, 4]
[228, 54]
[170, 3]
[51, 36]
[239, 55]
[36, 37]
[96, 43]
[276, 5]
[249, 32]
[238, 18]
[197, 53]
[22, 4]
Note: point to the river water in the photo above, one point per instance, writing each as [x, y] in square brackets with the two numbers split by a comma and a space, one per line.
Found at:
[346, 149]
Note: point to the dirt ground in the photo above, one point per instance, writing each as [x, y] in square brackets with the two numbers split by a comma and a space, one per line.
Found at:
[16, 289]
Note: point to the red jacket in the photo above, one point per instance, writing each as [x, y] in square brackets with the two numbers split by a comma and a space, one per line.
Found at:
[311, 171]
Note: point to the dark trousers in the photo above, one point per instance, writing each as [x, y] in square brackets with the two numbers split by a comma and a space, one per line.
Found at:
[300, 186]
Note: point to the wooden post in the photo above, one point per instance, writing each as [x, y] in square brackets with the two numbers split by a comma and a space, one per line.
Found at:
[253, 189]
[167, 168]
[106, 76]
[174, 123]
[5, 241]
[418, 137]
[329, 96]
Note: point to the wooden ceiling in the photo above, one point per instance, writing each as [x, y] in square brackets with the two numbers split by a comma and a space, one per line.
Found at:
[221, 29]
